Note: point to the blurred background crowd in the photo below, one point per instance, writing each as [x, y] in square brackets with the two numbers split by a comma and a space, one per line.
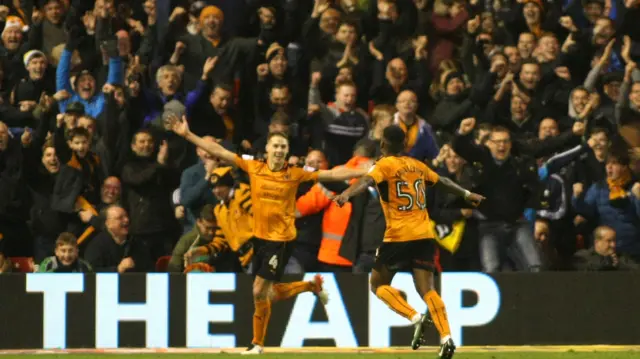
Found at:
[521, 101]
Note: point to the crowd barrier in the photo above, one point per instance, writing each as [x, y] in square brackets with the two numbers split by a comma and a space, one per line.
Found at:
[160, 310]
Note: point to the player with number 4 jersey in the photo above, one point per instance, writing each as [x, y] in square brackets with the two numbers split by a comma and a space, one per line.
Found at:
[273, 186]
[408, 243]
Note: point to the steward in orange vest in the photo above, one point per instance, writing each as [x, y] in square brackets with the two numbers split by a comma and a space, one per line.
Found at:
[334, 222]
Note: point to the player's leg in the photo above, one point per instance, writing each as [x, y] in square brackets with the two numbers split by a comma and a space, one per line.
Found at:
[262, 313]
[264, 268]
[283, 291]
[423, 269]
[381, 277]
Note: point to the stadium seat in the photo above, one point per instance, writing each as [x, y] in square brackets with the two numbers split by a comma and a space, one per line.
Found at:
[22, 264]
[162, 263]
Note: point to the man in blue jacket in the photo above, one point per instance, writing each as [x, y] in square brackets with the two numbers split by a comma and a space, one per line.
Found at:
[85, 90]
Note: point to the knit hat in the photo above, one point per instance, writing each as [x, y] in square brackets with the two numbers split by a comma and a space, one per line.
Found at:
[14, 21]
[173, 107]
[76, 108]
[274, 50]
[30, 55]
[222, 176]
[196, 8]
[211, 10]
[537, 2]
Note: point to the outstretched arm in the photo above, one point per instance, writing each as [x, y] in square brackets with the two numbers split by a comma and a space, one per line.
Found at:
[181, 127]
[354, 190]
[448, 185]
[341, 174]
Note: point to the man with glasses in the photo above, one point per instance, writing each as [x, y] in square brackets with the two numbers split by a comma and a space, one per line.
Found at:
[510, 185]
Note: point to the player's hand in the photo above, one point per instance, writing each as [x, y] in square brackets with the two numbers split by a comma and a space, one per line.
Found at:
[179, 126]
[341, 199]
[475, 199]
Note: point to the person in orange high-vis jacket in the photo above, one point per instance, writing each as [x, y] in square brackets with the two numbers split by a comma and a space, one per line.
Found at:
[334, 222]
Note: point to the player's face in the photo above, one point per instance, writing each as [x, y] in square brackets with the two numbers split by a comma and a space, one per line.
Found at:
[67, 254]
[277, 149]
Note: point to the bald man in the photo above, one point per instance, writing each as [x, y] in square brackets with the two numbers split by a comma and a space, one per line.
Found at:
[394, 79]
[194, 186]
[112, 250]
[420, 140]
[602, 256]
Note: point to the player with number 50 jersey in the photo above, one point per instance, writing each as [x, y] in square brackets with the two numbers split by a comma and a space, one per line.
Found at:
[408, 243]
[402, 183]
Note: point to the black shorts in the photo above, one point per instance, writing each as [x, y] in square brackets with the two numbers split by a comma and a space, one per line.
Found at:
[405, 256]
[270, 258]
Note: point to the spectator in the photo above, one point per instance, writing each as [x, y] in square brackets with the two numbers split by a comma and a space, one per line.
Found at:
[194, 186]
[510, 185]
[66, 258]
[150, 183]
[113, 250]
[234, 217]
[343, 124]
[421, 143]
[614, 203]
[201, 235]
[603, 256]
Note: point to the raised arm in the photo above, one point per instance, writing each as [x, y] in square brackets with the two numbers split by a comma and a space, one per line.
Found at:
[181, 128]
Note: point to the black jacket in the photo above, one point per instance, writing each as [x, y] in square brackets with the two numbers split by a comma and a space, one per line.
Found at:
[148, 187]
[509, 187]
[104, 254]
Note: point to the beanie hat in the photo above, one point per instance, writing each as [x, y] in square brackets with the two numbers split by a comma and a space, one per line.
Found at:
[274, 50]
[14, 21]
[211, 10]
[173, 107]
[30, 55]
[222, 176]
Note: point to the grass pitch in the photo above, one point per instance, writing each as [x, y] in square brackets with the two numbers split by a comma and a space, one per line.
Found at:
[532, 352]
[419, 354]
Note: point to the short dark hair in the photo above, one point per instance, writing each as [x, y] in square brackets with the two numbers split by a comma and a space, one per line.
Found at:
[277, 134]
[280, 86]
[394, 139]
[500, 129]
[141, 132]
[529, 62]
[366, 147]
[78, 132]
[224, 86]
[280, 118]
[596, 130]
[66, 238]
[207, 214]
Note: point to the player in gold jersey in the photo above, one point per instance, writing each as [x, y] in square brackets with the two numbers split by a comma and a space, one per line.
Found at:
[408, 243]
[273, 195]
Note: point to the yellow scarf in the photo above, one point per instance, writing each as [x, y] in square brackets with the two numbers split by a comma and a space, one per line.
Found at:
[617, 187]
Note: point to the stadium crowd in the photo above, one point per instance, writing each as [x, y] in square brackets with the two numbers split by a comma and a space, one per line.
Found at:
[521, 101]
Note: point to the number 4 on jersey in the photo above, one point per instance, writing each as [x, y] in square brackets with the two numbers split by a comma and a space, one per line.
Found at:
[419, 199]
